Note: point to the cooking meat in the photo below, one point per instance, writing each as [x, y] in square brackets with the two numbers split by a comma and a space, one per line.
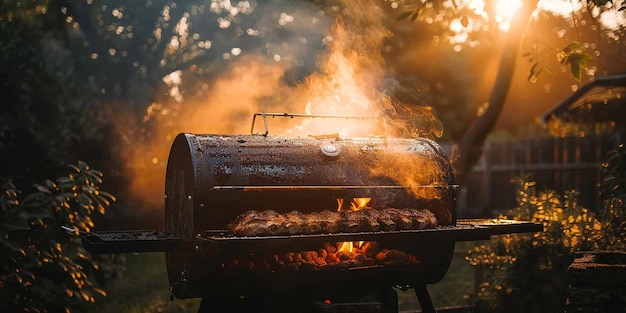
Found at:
[422, 219]
[312, 225]
[329, 220]
[294, 222]
[400, 218]
[385, 221]
[368, 222]
[350, 222]
[270, 222]
[253, 223]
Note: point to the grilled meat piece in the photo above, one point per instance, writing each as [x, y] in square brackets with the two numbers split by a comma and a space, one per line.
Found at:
[422, 219]
[241, 220]
[385, 221]
[368, 222]
[328, 219]
[270, 222]
[350, 222]
[311, 224]
[275, 222]
[294, 222]
[431, 218]
[400, 218]
[253, 223]
[252, 228]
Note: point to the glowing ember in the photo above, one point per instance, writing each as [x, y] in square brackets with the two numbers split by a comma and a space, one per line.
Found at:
[349, 246]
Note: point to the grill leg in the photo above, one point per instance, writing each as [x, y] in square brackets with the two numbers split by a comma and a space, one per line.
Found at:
[424, 299]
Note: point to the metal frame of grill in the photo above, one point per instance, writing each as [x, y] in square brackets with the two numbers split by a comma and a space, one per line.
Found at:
[196, 246]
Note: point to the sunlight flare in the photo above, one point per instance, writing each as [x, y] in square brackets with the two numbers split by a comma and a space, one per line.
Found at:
[505, 11]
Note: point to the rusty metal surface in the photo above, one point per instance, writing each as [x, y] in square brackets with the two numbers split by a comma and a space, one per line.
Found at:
[206, 276]
[210, 177]
[130, 241]
[498, 226]
[221, 241]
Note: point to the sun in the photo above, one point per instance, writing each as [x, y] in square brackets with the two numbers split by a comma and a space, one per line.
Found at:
[505, 11]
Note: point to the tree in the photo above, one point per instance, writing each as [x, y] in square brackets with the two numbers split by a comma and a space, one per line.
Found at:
[467, 151]
[137, 73]
[47, 119]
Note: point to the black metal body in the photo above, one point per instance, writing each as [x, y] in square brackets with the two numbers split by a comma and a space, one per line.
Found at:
[211, 179]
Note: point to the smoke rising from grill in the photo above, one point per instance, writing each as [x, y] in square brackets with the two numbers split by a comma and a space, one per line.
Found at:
[287, 57]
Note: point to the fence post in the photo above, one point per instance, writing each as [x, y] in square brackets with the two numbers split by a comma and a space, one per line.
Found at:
[487, 159]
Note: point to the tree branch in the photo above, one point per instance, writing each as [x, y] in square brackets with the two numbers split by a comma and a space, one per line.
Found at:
[469, 149]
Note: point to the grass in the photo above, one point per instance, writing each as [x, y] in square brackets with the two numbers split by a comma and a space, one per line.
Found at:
[145, 288]
[451, 290]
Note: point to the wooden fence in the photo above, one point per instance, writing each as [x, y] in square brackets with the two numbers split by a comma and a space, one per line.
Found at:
[559, 164]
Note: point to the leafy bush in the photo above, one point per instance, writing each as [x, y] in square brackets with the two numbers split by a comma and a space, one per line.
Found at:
[527, 272]
[43, 267]
[614, 190]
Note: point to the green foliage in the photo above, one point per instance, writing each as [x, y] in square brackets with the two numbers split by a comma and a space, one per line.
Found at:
[614, 191]
[527, 272]
[592, 3]
[414, 9]
[537, 67]
[48, 114]
[574, 56]
[43, 267]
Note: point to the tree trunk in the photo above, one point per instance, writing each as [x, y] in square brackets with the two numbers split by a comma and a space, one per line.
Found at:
[468, 150]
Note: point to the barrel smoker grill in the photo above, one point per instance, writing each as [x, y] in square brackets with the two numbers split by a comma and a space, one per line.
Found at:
[212, 179]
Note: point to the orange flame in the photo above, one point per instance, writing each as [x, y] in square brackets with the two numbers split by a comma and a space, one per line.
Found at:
[355, 205]
[359, 203]
[349, 246]
[348, 82]
[339, 204]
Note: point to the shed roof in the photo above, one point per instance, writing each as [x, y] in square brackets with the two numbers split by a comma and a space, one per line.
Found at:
[602, 100]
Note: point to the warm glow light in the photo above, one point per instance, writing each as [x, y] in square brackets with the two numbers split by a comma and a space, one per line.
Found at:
[359, 203]
[563, 8]
[355, 205]
[339, 204]
[349, 246]
[505, 10]
[461, 27]
[346, 246]
[347, 82]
